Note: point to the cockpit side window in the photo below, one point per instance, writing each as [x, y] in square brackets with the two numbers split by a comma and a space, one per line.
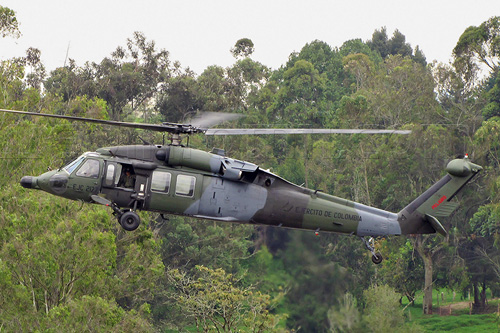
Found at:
[89, 169]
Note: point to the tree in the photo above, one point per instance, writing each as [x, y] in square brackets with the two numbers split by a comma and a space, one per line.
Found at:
[132, 76]
[397, 45]
[345, 317]
[328, 63]
[429, 251]
[35, 78]
[11, 84]
[311, 291]
[380, 42]
[213, 89]
[401, 269]
[492, 97]
[356, 46]
[54, 252]
[243, 48]
[246, 77]
[360, 66]
[382, 312]
[402, 91]
[71, 81]
[179, 98]
[9, 26]
[215, 301]
[482, 258]
[301, 100]
[60, 260]
[461, 106]
[478, 46]
[139, 266]
[95, 314]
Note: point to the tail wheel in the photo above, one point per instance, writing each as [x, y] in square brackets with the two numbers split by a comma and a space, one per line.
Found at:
[377, 258]
[129, 220]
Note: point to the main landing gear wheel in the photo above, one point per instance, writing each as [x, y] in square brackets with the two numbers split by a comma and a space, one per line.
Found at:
[377, 258]
[129, 220]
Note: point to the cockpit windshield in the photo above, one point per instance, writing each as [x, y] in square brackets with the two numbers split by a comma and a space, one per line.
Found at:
[73, 165]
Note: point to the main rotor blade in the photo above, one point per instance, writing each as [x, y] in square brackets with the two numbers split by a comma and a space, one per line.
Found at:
[276, 131]
[167, 127]
[208, 119]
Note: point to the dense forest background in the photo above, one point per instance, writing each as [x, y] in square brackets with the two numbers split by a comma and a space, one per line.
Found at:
[65, 266]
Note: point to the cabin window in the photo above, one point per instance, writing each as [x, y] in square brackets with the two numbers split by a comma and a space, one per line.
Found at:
[161, 181]
[89, 169]
[110, 175]
[185, 185]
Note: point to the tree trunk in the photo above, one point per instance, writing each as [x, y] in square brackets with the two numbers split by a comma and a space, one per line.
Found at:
[479, 297]
[426, 255]
[427, 302]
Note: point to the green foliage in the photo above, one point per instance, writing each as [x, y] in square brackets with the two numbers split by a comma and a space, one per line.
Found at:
[478, 46]
[382, 312]
[187, 243]
[267, 271]
[179, 98]
[139, 266]
[486, 221]
[9, 26]
[401, 269]
[64, 267]
[95, 314]
[492, 95]
[215, 301]
[356, 46]
[131, 76]
[317, 281]
[397, 45]
[244, 47]
[345, 317]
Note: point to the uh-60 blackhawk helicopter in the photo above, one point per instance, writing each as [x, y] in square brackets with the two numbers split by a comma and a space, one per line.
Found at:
[174, 179]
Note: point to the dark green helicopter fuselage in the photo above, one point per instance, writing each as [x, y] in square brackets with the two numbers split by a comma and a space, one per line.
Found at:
[185, 181]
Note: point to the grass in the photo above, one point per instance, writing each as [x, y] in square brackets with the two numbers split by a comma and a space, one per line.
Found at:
[460, 320]
[460, 323]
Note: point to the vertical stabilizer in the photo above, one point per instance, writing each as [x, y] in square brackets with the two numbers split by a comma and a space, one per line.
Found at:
[419, 217]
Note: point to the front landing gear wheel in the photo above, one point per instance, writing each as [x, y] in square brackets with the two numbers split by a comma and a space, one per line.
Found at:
[129, 220]
[377, 258]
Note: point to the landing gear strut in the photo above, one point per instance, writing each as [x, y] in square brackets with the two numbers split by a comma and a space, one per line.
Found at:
[370, 245]
[128, 219]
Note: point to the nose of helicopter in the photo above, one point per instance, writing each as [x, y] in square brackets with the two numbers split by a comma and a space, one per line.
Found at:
[41, 182]
[54, 182]
[29, 182]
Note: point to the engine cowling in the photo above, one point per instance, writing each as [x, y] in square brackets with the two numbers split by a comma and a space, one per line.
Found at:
[226, 167]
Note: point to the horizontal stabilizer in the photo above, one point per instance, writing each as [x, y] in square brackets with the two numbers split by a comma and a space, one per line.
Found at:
[436, 224]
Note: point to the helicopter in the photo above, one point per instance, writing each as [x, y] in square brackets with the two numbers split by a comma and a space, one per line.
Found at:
[179, 180]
